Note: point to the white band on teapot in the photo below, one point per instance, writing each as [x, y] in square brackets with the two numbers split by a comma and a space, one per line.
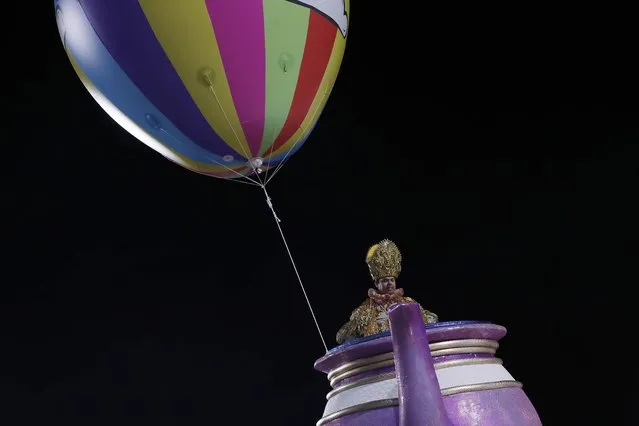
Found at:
[458, 375]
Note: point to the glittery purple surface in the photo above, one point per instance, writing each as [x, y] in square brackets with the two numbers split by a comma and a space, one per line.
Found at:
[432, 326]
[499, 407]
[443, 358]
[383, 344]
[378, 371]
[371, 373]
[419, 397]
[420, 401]
[380, 417]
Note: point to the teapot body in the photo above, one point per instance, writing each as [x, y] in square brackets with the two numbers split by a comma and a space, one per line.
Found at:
[473, 384]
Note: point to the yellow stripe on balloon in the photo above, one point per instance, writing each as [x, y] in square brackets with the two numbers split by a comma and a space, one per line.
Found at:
[138, 132]
[184, 30]
[210, 168]
[321, 97]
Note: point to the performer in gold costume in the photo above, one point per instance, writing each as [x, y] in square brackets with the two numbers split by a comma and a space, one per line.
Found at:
[371, 317]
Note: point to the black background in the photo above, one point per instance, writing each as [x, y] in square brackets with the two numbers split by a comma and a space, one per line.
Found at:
[497, 147]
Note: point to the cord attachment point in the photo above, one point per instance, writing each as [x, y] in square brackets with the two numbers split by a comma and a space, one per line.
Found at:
[255, 164]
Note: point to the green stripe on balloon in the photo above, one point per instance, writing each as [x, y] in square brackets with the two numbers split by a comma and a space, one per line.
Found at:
[286, 26]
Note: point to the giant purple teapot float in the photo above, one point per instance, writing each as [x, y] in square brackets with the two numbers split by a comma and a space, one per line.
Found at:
[397, 365]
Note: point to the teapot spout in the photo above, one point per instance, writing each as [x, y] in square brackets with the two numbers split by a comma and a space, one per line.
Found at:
[420, 400]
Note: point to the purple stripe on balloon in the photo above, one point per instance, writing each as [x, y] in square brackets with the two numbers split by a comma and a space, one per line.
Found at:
[239, 31]
[126, 33]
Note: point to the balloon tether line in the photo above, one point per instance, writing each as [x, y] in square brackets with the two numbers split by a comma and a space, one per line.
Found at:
[288, 250]
[207, 75]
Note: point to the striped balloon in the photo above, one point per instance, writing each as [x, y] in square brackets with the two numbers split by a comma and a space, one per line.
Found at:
[217, 86]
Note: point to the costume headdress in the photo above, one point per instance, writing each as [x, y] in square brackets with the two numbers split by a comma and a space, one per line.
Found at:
[384, 260]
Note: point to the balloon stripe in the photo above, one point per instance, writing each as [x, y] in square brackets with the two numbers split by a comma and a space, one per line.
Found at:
[321, 96]
[117, 116]
[93, 61]
[283, 153]
[192, 51]
[141, 133]
[239, 30]
[286, 26]
[319, 46]
[127, 35]
[159, 69]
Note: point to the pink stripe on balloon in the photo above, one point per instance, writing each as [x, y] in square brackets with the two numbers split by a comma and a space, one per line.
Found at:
[239, 31]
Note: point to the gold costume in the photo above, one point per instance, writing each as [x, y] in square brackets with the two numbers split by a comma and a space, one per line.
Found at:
[371, 317]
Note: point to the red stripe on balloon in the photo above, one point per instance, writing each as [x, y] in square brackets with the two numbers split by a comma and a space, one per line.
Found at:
[317, 52]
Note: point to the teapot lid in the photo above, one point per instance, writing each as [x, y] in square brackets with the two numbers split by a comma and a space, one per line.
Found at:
[381, 343]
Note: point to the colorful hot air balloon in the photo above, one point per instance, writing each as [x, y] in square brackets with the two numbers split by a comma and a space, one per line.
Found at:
[220, 87]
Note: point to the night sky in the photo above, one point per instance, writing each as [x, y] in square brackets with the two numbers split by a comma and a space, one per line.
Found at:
[498, 148]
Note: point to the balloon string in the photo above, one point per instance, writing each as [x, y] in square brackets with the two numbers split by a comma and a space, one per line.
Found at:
[304, 130]
[308, 302]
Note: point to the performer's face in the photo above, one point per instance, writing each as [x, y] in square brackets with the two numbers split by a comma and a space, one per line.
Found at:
[386, 285]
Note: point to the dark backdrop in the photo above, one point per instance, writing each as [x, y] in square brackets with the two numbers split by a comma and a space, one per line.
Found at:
[497, 147]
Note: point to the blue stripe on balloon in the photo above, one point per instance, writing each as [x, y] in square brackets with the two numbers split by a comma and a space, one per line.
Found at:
[127, 35]
[103, 71]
